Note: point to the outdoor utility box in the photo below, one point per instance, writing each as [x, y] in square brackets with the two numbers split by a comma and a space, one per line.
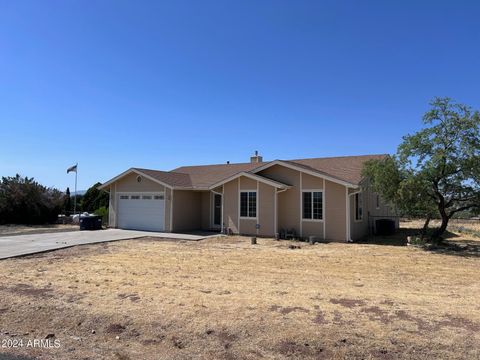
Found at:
[90, 222]
[385, 227]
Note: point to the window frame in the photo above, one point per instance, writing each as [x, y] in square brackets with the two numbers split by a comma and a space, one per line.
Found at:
[311, 191]
[247, 191]
[356, 207]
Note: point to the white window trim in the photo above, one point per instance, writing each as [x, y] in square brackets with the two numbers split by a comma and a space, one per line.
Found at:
[323, 205]
[240, 204]
[355, 206]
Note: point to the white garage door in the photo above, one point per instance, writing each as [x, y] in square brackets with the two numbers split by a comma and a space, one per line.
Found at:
[141, 211]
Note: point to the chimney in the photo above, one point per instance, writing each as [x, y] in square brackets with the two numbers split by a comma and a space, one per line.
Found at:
[256, 158]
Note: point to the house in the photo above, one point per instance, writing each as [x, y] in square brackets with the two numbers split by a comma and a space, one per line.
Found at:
[322, 197]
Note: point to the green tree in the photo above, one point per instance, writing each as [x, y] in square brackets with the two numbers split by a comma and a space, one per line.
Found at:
[436, 171]
[94, 198]
[403, 188]
[68, 202]
[25, 201]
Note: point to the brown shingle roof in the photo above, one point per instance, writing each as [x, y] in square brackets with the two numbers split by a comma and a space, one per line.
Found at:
[345, 168]
[207, 175]
[168, 177]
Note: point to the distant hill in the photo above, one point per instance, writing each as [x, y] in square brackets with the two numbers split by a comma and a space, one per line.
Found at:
[79, 192]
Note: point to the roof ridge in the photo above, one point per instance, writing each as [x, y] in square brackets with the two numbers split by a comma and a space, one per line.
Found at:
[162, 171]
[338, 157]
[265, 162]
[222, 164]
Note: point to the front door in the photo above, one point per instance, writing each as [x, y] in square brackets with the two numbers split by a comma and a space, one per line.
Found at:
[217, 210]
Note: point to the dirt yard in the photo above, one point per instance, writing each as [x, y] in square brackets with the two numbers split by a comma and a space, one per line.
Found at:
[226, 299]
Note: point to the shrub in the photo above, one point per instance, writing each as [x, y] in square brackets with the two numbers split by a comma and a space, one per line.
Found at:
[103, 212]
[416, 240]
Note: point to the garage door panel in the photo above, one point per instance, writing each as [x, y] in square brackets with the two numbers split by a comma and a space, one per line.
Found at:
[145, 211]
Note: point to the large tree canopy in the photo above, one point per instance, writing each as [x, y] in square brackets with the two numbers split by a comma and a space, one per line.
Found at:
[436, 171]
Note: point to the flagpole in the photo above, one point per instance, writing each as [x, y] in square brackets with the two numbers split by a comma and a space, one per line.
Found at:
[75, 199]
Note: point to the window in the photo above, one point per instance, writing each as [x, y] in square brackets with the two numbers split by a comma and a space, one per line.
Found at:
[146, 197]
[123, 197]
[135, 197]
[248, 204]
[378, 201]
[358, 207]
[158, 197]
[312, 205]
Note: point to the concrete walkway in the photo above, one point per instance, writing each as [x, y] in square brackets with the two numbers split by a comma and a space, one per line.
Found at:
[19, 245]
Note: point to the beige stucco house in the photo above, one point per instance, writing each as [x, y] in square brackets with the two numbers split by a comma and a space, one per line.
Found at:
[322, 197]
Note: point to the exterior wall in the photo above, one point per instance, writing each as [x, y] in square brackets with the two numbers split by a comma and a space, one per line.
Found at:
[168, 209]
[112, 206]
[288, 202]
[335, 212]
[313, 227]
[186, 210]
[266, 210]
[206, 201]
[230, 205]
[129, 183]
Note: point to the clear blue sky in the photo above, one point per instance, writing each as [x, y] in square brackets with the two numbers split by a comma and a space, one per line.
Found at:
[116, 84]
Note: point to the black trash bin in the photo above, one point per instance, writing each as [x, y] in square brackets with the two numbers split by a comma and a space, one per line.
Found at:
[385, 227]
[93, 222]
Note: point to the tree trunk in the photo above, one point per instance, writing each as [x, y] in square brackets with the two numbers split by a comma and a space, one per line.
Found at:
[437, 234]
[425, 227]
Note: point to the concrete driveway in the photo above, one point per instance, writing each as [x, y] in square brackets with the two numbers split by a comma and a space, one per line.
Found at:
[18, 245]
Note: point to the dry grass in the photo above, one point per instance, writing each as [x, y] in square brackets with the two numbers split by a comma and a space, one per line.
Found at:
[7, 230]
[453, 225]
[224, 298]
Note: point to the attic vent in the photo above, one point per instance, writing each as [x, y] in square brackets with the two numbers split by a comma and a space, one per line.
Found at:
[139, 179]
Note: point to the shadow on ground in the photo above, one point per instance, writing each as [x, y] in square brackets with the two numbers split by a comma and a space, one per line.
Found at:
[454, 244]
